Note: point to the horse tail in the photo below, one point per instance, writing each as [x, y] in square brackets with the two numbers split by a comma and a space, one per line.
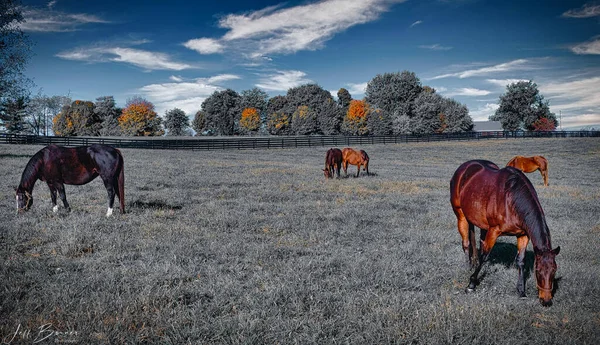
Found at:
[121, 182]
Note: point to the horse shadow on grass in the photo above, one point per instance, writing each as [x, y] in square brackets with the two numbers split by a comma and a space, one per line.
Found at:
[362, 174]
[154, 205]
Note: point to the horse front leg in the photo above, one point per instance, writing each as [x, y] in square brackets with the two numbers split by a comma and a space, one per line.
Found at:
[484, 252]
[63, 196]
[53, 198]
[522, 242]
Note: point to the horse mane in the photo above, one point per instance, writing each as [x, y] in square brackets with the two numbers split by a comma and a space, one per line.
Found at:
[30, 174]
[525, 202]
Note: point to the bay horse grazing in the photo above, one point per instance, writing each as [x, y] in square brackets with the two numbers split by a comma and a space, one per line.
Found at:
[58, 166]
[531, 164]
[358, 158]
[502, 202]
[333, 162]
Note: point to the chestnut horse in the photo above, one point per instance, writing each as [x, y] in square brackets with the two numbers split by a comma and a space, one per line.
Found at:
[58, 166]
[333, 162]
[358, 158]
[531, 164]
[502, 202]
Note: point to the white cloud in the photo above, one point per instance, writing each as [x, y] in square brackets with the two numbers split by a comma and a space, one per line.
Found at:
[520, 64]
[222, 77]
[581, 120]
[467, 91]
[504, 82]
[277, 30]
[283, 80]
[484, 112]
[356, 89]
[435, 47]
[416, 23]
[588, 48]
[573, 96]
[141, 58]
[204, 45]
[185, 95]
[49, 20]
[586, 11]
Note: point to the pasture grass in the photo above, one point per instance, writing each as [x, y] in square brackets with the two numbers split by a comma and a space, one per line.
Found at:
[253, 247]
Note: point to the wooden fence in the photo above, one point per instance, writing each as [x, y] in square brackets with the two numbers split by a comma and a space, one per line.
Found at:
[271, 142]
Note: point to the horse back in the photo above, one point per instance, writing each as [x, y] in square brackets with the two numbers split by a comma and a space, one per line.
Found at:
[351, 156]
[478, 191]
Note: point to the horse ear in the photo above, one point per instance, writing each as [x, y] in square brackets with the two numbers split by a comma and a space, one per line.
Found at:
[556, 250]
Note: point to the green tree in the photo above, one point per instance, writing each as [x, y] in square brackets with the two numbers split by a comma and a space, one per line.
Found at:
[521, 106]
[311, 95]
[15, 49]
[199, 122]
[304, 121]
[12, 114]
[176, 122]
[393, 93]
[330, 118]
[457, 118]
[379, 122]
[278, 119]
[107, 111]
[344, 99]
[222, 109]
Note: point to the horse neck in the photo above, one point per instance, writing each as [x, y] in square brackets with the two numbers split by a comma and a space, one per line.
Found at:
[31, 173]
[540, 237]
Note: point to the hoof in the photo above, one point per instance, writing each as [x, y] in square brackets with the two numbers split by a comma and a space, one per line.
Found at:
[470, 290]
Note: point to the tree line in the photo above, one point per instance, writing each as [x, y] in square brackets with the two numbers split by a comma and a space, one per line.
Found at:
[394, 103]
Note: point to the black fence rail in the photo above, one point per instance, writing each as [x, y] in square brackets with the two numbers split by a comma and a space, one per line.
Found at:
[272, 142]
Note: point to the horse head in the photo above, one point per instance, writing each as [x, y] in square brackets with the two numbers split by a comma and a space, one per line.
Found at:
[327, 173]
[24, 200]
[545, 269]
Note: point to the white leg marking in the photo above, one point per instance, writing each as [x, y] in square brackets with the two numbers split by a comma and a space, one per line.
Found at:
[109, 212]
[55, 208]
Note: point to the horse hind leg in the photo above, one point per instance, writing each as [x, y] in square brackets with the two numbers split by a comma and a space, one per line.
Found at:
[467, 233]
[111, 190]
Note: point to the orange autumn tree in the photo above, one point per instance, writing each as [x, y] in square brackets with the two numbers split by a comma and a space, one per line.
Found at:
[544, 124]
[250, 120]
[139, 119]
[355, 121]
[77, 118]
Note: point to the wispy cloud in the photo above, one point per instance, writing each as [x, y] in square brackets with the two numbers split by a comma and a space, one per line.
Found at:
[141, 58]
[185, 95]
[204, 45]
[435, 47]
[504, 82]
[416, 23]
[467, 91]
[520, 64]
[50, 20]
[277, 30]
[588, 48]
[282, 80]
[578, 95]
[586, 11]
[484, 112]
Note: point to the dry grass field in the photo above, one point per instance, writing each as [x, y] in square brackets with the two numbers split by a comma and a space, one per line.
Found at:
[256, 247]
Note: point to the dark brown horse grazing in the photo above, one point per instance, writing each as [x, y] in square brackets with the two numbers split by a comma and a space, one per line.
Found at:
[358, 158]
[502, 202]
[531, 164]
[333, 162]
[58, 166]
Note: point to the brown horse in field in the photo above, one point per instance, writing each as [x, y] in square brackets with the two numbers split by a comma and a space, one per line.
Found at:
[531, 164]
[502, 202]
[358, 158]
[58, 166]
[333, 162]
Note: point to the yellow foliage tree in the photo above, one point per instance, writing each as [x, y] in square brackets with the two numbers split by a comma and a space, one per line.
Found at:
[355, 121]
[140, 119]
[250, 121]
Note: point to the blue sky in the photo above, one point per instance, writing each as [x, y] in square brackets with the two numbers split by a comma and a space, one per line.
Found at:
[176, 53]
